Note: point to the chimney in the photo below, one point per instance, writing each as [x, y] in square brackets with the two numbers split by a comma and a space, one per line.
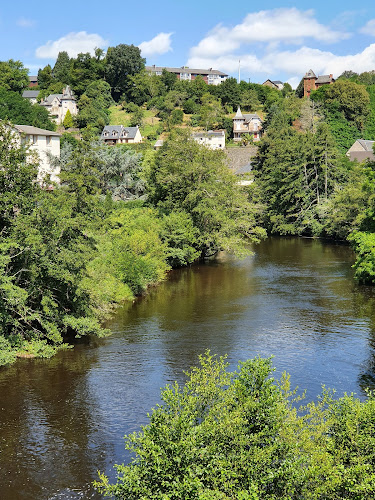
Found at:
[331, 76]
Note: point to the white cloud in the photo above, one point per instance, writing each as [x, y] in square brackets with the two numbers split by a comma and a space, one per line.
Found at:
[277, 25]
[23, 22]
[294, 63]
[160, 44]
[72, 43]
[369, 28]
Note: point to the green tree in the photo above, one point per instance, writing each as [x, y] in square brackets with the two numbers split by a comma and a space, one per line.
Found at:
[13, 76]
[84, 70]
[122, 62]
[68, 120]
[61, 69]
[192, 178]
[45, 77]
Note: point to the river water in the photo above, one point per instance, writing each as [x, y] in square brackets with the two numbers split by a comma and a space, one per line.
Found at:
[63, 419]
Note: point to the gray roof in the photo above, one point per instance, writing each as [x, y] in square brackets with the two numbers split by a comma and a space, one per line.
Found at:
[324, 79]
[367, 145]
[28, 129]
[277, 82]
[210, 133]
[239, 115]
[185, 69]
[48, 100]
[310, 74]
[130, 132]
[33, 78]
[30, 94]
[243, 169]
[251, 116]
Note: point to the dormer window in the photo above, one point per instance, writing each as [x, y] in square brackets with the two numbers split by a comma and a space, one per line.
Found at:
[114, 133]
[105, 134]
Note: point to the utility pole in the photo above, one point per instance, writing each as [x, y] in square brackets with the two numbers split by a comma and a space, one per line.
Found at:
[239, 70]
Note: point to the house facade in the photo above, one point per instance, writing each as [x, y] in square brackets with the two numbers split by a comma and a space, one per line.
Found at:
[210, 76]
[313, 82]
[213, 139]
[118, 134]
[33, 81]
[274, 84]
[361, 150]
[247, 124]
[44, 143]
[58, 105]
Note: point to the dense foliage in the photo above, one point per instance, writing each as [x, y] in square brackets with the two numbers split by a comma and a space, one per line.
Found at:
[239, 435]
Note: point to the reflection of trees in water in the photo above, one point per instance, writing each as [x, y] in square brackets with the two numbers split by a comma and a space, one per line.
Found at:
[48, 437]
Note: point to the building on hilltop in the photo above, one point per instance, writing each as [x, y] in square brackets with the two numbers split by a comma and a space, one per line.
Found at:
[118, 134]
[45, 144]
[213, 139]
[33, 81]
[274, 84]
[313, 82]
[210, 76]
[247, 124]
[361, 150]
[58, 105]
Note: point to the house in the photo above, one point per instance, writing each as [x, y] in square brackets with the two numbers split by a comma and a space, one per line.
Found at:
[210, 76]
[313, 82]
[33, 81]
[118, 134]
[274, 84]
[361, 150]
[213, 139]
[58, 104]
[158, 144]
[31, 95]
[44, 143]
[247, 124]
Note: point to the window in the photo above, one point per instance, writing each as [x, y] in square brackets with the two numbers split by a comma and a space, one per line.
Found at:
[35, 139]
[48, 140]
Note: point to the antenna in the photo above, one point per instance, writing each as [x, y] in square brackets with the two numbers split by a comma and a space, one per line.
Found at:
[239, 70]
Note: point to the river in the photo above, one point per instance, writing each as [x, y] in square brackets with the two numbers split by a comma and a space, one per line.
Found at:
[63, 419]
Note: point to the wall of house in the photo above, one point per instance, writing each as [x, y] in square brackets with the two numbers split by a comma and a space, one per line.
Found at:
[308, 85]
[43, 145]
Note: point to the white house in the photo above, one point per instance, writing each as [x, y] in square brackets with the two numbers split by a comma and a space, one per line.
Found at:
[44, 143]
[31, 95]
[118, 134]
[247, 124]
[214, 139]
[58, 104]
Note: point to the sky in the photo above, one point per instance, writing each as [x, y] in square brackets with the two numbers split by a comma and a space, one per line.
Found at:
[272, 40]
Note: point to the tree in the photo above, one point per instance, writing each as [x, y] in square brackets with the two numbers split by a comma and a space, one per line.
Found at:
[239, 435]
[13, 76]
[211, 112]
[45, 77]
[15, 108]
[192, 178]
[123, 61]
[61, 69]
[68, 120]
[84, 70]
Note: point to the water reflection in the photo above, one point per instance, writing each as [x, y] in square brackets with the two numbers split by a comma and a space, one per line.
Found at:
[62, 419]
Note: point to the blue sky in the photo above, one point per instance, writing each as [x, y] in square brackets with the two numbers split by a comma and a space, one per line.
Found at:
[277, 40]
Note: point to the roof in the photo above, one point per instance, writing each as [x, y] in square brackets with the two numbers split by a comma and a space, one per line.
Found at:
[310, 74]
[239, 115]
[251, 116]
[33, 78]
[48, 100]
[28, 129]
[325, 79]
[185, 69]
[30, 94]
[243, 169]
[367, 145]
[210, 133]
[119, 131]
[277, 82]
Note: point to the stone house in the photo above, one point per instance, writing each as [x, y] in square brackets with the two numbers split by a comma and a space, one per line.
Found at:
[44, 143]
[247, 124]
[118, 134]
[274, 84]
[361, 150]
[213, 139]
[313, 82]
[58, 105]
